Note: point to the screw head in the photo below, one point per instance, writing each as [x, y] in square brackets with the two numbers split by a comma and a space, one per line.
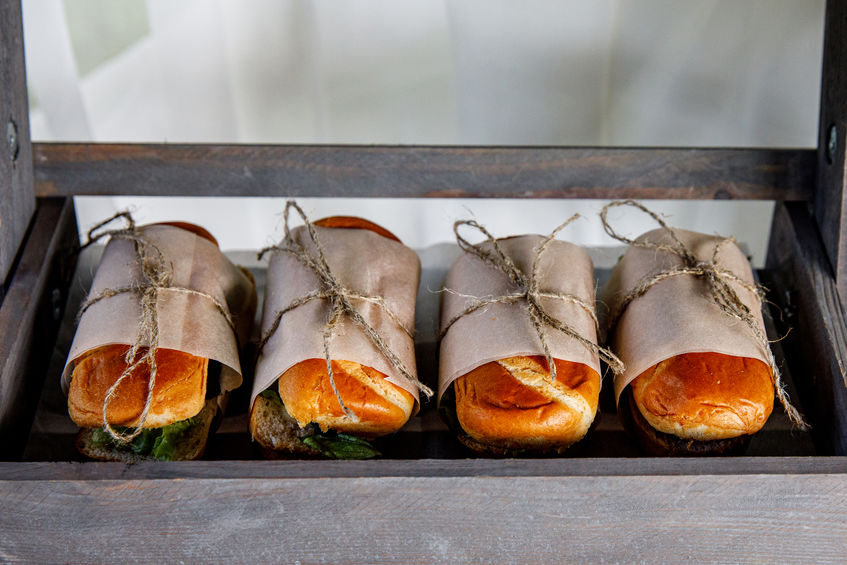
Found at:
[831, 143]
[12, 139]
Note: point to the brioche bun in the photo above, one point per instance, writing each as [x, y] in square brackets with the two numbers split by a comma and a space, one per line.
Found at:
[513, 404]
[697, 403]
[179, 391]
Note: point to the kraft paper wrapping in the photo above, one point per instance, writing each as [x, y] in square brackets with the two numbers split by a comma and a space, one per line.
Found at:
[365, 263]
[678, 314]
[188, 323]
[498, 331]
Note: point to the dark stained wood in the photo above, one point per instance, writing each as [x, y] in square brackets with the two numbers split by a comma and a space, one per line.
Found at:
[555, 467]
[817, 344]
[29, 319]
[17, 201]
[649, 519]
[379, 171]
[830, 195]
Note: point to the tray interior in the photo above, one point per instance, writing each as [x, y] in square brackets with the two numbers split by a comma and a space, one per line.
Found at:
[425, 436]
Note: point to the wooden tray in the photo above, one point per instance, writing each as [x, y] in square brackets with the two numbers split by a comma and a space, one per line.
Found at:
[785, 501]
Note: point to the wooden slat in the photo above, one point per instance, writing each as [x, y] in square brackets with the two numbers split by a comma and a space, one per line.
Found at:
[304, 469]
[29, 319]
[649, 519]
[818, 341]
[830, 207]
[352, 171]
[17, 202]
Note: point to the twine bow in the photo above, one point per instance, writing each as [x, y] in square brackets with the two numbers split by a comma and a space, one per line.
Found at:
[340, 300]
[719, 281]
[528, 291]
[156, 276]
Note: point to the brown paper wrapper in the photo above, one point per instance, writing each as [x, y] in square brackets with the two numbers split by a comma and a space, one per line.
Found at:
[677, 315]
[498, 331]
[365, 263]
[188, 323]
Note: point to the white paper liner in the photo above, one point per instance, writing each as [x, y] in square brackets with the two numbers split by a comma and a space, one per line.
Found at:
[364, 262]
[498, 331]
[188, 323]
[677, 315]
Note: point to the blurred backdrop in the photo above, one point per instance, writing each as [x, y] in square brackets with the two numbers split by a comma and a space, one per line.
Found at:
[537, 72]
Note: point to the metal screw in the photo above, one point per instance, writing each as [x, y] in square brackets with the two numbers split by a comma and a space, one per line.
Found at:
[12, 140]
[831, 144]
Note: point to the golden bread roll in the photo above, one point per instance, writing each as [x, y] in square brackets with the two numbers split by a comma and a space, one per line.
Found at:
[513, 404]
[705, 396]
[179, 391]
[380, 407]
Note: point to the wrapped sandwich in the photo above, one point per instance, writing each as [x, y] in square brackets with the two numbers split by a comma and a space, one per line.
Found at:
[686, 319]
[336, 367]
[519, 368]
[156, 351]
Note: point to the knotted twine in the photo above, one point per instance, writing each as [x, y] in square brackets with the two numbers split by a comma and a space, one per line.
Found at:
[527, 290]
[340, 300]
[156, 276]
[719, 282]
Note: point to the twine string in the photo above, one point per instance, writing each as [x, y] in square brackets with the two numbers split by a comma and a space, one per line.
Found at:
[156, 276]
[341, 304]
[528, 291]
[719, 282]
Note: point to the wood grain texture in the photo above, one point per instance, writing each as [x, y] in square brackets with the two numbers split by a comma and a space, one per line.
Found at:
[302, 469]
[830, 206]
[380, 171]
[29, 319]
[740, 519]
[17, 201]
[817, 344]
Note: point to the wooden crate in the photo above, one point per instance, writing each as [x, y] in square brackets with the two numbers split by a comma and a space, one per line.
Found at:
[787, 501]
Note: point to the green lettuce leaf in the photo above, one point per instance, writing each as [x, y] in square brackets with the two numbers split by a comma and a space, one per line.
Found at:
[341, 446]
[159, 443]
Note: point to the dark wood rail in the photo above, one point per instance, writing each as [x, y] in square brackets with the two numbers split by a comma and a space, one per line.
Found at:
[413, 171]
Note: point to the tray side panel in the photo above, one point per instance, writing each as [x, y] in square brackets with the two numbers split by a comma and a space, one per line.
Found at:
[818, 335]
[830, 205]
[17, 200]
[29, 319]
[741, 519]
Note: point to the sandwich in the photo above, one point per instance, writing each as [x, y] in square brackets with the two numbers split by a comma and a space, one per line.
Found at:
[699, 378]
[191, 385]
[296, 411]
[498, 394]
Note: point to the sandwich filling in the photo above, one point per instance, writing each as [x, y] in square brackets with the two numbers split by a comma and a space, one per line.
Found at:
[272, 426]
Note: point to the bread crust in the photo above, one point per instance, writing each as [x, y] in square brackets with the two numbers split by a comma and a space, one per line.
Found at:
[179, 391]
[380, 406]
[513, 404]
[354, 223]
[705, 396]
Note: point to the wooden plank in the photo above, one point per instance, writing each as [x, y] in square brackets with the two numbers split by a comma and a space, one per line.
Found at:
[830, 195]
[817, 343]
[379, 171]
[739, 519]
[29, 319]
[303, 469]
[17, 201]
